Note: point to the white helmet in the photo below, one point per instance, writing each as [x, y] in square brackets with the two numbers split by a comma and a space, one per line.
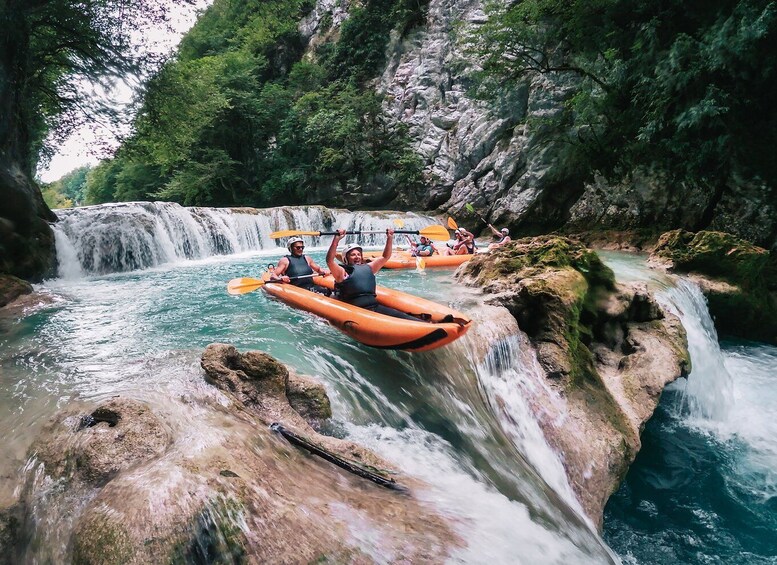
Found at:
[293, 240]
[505, 231]
[347, 249]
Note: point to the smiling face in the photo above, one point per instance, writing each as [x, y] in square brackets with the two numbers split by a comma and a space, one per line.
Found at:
[424, 240]
[297, 249]
[354, 257]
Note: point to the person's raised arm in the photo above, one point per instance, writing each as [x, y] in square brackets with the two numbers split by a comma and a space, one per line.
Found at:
[337, 271]
[376, 264]
[495, 231]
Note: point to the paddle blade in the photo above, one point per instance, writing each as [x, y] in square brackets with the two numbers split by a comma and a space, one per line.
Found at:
[399, 222]
[420, 264]
[243, 285]
[452, 225]
[470, 208]
[435, 233]
[289, 233]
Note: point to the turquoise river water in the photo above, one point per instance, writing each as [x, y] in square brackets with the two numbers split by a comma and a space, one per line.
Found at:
[702, 490]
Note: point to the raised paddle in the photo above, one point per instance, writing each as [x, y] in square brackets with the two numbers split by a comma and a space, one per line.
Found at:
[452, 225]
[245, 285]
[436, 232]
[471, 209]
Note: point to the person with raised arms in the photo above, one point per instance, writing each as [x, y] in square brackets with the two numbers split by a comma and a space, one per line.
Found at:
[295, 265]
[355, 281]
[503, 235]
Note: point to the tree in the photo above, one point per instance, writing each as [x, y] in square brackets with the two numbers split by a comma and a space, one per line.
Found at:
[682, 88]
[49, 49]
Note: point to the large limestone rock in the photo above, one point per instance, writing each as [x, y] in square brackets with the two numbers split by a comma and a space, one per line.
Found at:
[738, 279]
[607, 351]
[118, 481]
[12, 288]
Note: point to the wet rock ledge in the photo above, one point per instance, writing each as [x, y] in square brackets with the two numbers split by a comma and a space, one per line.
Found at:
[607, 351]
[738, 279]
[206, 480]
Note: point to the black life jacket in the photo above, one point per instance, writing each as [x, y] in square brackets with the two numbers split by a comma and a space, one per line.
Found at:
[298, 267]
[359, 288]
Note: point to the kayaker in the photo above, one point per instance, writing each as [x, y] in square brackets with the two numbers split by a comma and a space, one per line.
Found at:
[355, 281]
[297, 264]
[503, 235]
[423, 249]
[464, 244]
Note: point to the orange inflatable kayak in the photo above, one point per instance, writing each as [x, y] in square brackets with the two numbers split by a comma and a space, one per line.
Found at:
[403, 260]
[372, 328]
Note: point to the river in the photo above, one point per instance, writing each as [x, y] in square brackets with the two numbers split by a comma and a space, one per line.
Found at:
[142, 292]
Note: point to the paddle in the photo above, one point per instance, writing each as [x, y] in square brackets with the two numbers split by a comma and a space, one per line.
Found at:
[471, 209]
[452, 225]
[436, 232]
[245, 285]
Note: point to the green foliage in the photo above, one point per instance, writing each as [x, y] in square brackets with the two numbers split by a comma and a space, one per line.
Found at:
[68, 190]
[239, 117]
[50, 49]
[683, 88]
[101, 182]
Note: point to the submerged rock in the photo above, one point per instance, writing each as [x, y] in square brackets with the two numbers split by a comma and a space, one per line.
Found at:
[738, 278]
[607, 351]
[205, 480]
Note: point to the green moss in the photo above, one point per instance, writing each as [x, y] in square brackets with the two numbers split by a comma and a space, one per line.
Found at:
[717, 254]
[216, 536]
[101, 541]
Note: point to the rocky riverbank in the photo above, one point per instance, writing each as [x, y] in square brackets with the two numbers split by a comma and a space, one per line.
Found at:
[123, 483]
[607, 350]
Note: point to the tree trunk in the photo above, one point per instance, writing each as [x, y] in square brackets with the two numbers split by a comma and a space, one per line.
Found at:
[26, 239]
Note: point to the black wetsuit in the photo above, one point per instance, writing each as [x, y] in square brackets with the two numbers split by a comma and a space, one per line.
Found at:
[359, 289]
[299, 267]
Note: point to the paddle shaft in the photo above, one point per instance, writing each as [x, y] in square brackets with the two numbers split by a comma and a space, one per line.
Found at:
[471, 208]
[415, 232]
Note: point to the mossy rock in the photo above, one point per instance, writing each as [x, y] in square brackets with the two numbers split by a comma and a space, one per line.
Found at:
[532, 255]
[717, 254]
[551, 284]
[748, 309]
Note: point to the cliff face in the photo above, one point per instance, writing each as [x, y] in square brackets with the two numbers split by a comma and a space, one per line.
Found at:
[491, 157]
[476, 153]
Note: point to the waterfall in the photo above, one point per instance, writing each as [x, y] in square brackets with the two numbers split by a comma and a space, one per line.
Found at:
[110, 238]
[512, 380]
[709, 388]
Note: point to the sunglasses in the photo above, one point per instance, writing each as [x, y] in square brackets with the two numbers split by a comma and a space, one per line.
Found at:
[298, 247]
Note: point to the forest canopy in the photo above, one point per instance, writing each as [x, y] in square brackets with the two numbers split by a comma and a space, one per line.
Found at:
[240, 117]
[682, 88]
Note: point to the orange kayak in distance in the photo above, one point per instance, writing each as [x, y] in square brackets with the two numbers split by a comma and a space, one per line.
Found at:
[404, 260]
[444, 324]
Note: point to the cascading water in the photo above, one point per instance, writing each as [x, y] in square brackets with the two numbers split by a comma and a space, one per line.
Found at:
[708, 392]
[703, 487]
[112, 238]
[458, 419]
